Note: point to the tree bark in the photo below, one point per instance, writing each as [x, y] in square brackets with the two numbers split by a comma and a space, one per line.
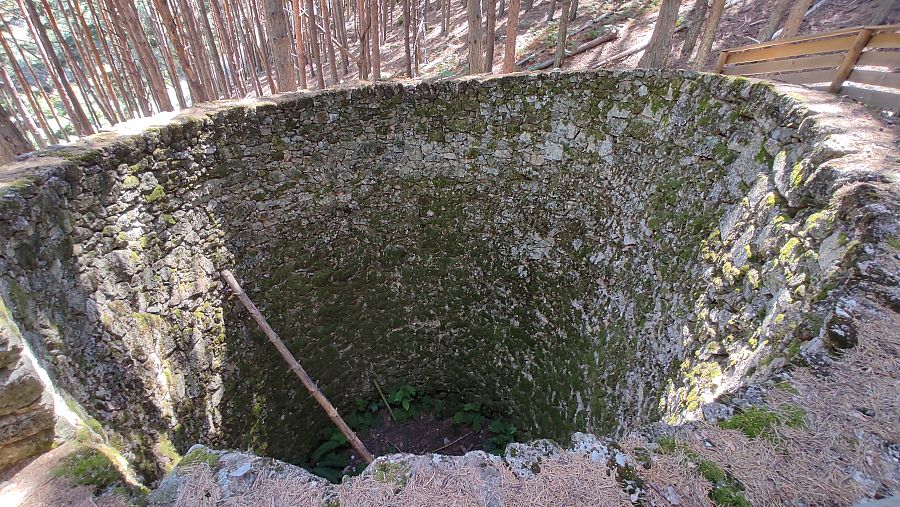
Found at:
[552, 11]
[527, 5]
[795, 19]
[26, 88]
[491, 35]
[695, 18]
[12, 142]
[512, 32]
[27, 122]
[709, 33]
[198, 91]
[563, 32]
[329, 42]
[298, 36]
[156, 27]
[774, 20]
[67, 94]
[215, 56]
[376, 42]
[657, 53]
[277, 30]
[406, 48]
[475, 40]
[881, 13]
[314, 43]
[101, 70]
[118, 68]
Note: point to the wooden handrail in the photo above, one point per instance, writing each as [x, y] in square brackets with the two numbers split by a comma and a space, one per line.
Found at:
[831, 57]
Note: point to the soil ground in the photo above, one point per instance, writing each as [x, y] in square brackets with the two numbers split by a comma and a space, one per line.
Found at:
[424, 435]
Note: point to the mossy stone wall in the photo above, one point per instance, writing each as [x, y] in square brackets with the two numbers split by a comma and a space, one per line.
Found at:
[585, 251]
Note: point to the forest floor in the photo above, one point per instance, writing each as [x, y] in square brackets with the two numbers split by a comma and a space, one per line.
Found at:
[446, 56]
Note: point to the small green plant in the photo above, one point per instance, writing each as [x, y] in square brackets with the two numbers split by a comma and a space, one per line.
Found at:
[502, 434]
[89, 467]
[757, 422]
[330, 459]
[403, 399]
[470, 415]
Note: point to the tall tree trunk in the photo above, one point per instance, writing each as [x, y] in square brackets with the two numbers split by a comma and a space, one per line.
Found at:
[281, 46]
[512, 32]
[376, 42]
[491, 35]
[406, 29]
[475, 39]
[27, 122]
[12, 142]
[156, 27]
[709, 33]
[262, 46]
[301, 51]
[116, 66]
[881, 13]
[215, 56]
[657, 53]
[773, 21]
[135, 31]
[198, 91]
[26, 89]
[71, 60]
[552, 11]
[98, 60]
[67, 94]
[362, 37]
[795, 19]
[341, 28]
[695, 18]
[198, 53]
[573, 11]
[445, 17]
[563, 32]
[329, 42]
[314, 43]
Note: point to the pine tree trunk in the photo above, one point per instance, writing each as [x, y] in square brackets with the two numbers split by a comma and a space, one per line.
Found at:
[262, 46]
[552, 11]
[198, 91]
[134, 86]
[445, 17]
[131, 107]
[774, 20]
[215, 56]
[376, 42]
[795, 19]
[362, 36]
[167, 57]
[280, 42]
[406, 29]
[657, 53]
[696, 17]
[27, 122]
[301, 51]
[329, 42]
[67, 94]
[573, 11]
[341, 28]
[314, 43]
[12, 142]
[881, 13]
[26, 88]
[135, 31]
[709, 33]
[512, 32]
[491, 35]
[198, 52]
[98, 60]
[475, 39]
[563, 33]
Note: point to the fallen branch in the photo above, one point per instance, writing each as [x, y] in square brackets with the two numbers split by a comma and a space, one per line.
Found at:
[441, 448]
[326, 405]
[603, 39]
[386, 404]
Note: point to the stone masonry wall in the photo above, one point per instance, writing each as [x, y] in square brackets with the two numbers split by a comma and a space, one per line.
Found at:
[584, 251]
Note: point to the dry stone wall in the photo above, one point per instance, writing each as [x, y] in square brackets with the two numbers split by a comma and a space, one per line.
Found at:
[584, 251]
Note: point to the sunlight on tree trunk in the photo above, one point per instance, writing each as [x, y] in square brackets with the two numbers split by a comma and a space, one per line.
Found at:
[657, 53]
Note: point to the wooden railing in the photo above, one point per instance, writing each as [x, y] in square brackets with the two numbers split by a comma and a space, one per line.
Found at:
[861, 62]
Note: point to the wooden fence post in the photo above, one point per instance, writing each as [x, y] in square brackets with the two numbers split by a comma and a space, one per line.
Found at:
[720, 63]
[850, 59]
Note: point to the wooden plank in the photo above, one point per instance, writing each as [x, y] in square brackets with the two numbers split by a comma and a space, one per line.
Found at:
[886, 101]
[802, 63]
[803, 48]
[811, 76]
[879, 59]
[778, 42]
[876, 78]
[885, 40]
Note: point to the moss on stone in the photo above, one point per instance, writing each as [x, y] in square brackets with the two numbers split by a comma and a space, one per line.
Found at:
[156, 194]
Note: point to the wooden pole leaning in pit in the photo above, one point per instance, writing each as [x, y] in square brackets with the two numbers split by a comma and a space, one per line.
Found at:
[326, 405]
